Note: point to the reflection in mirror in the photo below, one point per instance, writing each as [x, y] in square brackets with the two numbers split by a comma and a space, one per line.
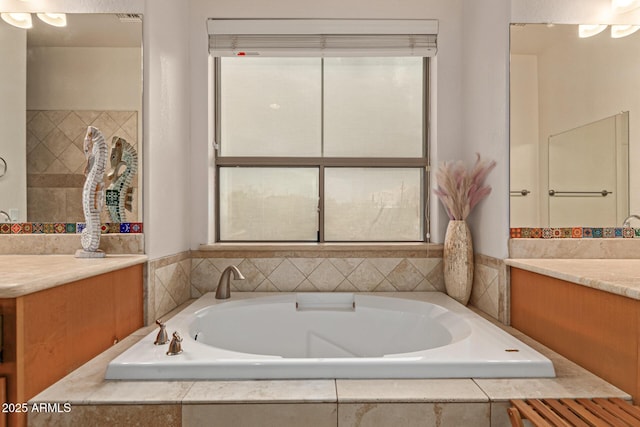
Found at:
[588, 174]
[87, 73]
[567, 99]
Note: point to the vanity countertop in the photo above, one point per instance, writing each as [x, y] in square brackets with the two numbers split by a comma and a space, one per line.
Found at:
[24, 274]
[617, 276]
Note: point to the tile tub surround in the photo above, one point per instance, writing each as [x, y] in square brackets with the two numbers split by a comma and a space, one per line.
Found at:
[323, 268]
[445, 402]
[345, 268]
[490, 291]
[61, 244]
[168, 285]
[26, 274]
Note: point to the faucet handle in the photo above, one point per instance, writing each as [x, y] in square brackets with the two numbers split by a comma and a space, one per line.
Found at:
[162, 337]
[174, 346]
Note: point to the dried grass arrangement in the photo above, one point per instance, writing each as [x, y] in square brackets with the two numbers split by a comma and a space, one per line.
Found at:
[460, 189]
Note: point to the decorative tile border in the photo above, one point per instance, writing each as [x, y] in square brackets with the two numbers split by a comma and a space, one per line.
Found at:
[575, 233]
[67, 228]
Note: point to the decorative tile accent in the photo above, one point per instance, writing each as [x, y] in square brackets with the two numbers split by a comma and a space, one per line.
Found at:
[66, 228]
[574, 233]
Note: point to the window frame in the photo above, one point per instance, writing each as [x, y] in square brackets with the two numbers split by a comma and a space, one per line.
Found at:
[321, 163]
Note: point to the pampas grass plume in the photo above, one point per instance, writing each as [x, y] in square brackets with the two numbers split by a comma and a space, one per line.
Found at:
[460, 189]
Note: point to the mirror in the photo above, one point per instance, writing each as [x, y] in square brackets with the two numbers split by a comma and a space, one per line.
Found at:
[62, 81]
[574, 123]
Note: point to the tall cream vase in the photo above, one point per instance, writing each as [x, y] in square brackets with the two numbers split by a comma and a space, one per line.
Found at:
[458, 261]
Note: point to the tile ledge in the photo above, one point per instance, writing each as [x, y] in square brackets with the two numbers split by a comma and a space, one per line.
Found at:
[213, 247]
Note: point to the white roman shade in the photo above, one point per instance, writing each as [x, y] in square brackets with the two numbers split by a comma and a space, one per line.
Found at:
[322, 37]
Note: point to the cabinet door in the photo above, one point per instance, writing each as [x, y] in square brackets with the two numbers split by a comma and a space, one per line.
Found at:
[128, 294]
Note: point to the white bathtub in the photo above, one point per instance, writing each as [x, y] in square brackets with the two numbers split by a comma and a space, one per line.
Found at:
[338, 335]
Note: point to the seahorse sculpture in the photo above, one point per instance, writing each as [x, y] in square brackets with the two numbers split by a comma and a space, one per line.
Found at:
[95, 151]
[119, 193]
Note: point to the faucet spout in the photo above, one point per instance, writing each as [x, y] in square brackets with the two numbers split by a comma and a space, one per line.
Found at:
[224, 284]
[6, 215]
[627, 221]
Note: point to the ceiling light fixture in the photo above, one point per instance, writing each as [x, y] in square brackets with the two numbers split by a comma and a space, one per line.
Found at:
[20, 20]
[618, 31]
[55, 19]
[623, 6]
[589, 30]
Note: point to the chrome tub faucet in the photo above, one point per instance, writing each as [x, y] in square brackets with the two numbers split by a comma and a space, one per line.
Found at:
[224, 286]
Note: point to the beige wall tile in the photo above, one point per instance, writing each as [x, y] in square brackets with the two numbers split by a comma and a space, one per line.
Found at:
[346, 266]
[262, 391]
[267, 265]
[40, 125]
[326, 277]
[414, 414]
[386, 265]
[405, 277]
[73, 126]
[263, 415]
[306, 265]
[409, 391]
[111, 415]
[204, 276]
[366, 276]
[253, 277]
[286, 277]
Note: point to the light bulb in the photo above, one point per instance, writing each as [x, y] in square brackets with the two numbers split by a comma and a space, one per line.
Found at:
[20, 20]
[618, 31]
[55, 19]
[588, 30]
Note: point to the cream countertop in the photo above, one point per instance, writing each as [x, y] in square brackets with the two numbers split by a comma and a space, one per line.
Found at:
[617, 276]
[24, 274]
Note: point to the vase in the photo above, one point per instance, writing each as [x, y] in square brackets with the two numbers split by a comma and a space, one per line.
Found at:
[458, 261]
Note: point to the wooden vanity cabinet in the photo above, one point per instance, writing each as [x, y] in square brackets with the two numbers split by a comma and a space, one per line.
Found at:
[596, 329]
[48, 334]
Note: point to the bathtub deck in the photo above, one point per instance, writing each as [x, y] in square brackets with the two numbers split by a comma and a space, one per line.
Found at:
[446, 402]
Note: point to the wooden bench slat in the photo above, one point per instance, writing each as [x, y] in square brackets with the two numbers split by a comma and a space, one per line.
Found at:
[566, 413]
[582, 412]
[514, 416]
[547, 413]
[617, 411]
[601, 412]
[630, 409]
[528, 413]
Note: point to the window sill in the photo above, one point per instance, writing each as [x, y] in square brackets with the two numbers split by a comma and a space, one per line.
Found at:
[323, 249]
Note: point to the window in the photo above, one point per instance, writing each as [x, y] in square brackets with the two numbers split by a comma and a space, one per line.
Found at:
[321, 149]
